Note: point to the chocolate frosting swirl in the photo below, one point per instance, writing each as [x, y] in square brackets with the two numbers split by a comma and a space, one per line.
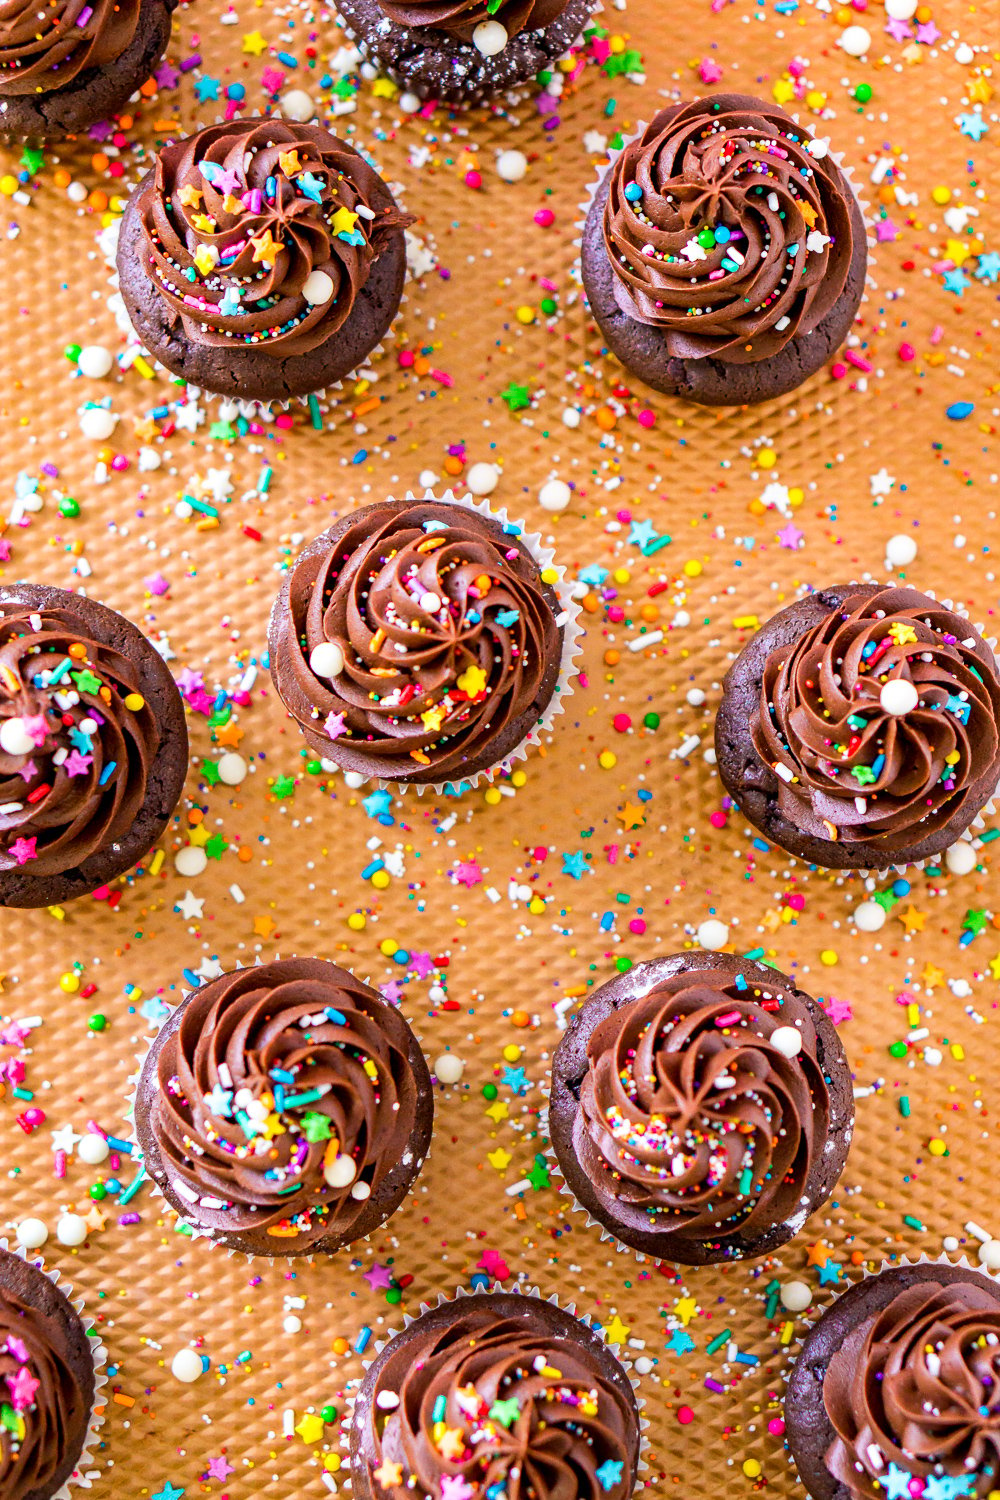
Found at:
[44, 1415]
[915, 1391]
[691, 1110]
[447, 635]
[89, 740]
[45, 47]
[461, 17]
[728, 228]
[263, 233]
[486, 1400]
[285, 1096]
[853, 761]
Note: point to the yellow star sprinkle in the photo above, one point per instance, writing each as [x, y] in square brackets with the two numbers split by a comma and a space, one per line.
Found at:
[902, 633]
[500, 1159]
[433, 718]
[932, 975]
[231, 204]
[995, 966]
[206, 258]
[472, 681]
[616, 1331]
[344, 221]
[189, 195]
[498, 1110]
[685, 1308]
[203, 222]
[913, 920]
[451, 1443]
[310, 1429]
[288, 161]
[265, 247]
[253, 43]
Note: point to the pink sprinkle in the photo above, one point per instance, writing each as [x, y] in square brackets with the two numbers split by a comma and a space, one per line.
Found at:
[716, 275]
[728, 1019]
[937, 333]
[545, 218]
[59, 1164]
[85, 15]
[838, 371]
[646, 418]
[857, 360]
[95, 1129]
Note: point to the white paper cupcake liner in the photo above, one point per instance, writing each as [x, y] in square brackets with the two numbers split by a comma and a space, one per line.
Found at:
[215, 1239]
[497, 1287]
[568, 621]
[79, 1479]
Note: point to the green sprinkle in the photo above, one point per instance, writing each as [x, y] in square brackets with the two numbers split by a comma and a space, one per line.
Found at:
[718, 1341]
[911, 1222]
[315, 415]
[746, 1181]
[904, 1106]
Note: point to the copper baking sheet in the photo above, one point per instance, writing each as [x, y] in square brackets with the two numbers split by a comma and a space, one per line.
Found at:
[873, 454]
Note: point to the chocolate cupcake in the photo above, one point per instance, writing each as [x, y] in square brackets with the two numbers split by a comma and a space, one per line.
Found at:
[859, 727]
[701, 1108]
[47, 1382]
[461, 51]
[724, 252]
[67, 65]
[262, 260]
[896, 1393]
[93, 745]
[419, 641]
[285, 1109]
[490, 1395]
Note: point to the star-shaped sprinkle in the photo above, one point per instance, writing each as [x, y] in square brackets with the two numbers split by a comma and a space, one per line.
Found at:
[289, 162]
[334, 726]
[343, 221]
[168, 1492]
[973, 125]
[517, 397]
[316, 1126]
[76, 764]
[506, 1412]
[189, 196]
[190, 906]
[897, 1483]
[610, 1473]
[955, 281]
[265, 248]
[818, 1254]
[500, 1109]
[574, 865]
[515, 1080]
[839, 1011]
[631, 816]
[310, 1428]
[219, 1468]
[616, 1331]
[451, 1443]
[499, 1159]
[379, 1278]
[472, 681]
[24, 849]
[454, 1487]
[389, 1474]
[680, 1342]
[22, 1387]
[912, 920]
[829, 1274]
[988, 268]
[253, 43]
[207, 88]
[790, 536]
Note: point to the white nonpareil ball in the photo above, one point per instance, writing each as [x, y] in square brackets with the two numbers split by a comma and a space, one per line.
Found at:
[869, 916]
[489, 38]
[186, 1366]
[712, 935]
[482, 479]
[900, 550]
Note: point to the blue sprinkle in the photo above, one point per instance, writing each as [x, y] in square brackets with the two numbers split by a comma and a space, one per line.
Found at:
[107, 773]
[336, 1016]
[191, 978]
[740, 982]
[288, 60]
[607, 921]
[362, 1340]
[959, 410]
[633, 192]
[761, 845]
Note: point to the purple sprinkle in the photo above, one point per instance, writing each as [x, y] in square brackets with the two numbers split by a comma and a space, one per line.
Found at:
[128, 1219]
[50, 470]
[85, 15]
[713, 1385]
[190, 62]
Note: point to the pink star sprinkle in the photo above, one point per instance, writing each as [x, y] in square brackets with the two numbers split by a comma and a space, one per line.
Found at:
[24, 849]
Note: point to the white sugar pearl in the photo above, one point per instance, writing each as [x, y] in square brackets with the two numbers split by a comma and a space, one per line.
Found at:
[387, 1400]
[71, 1230]
[232, 768]
[292, 1324]
[190, 860]
[298, 105]
[448, 1068]
[788, 1040]
[317, 288]
[989, 1255]
[186, 1366]
[963, 53]
[360, 1191]
[713, 935]
[795, 1296]
[89, 725]
[430, 603]
[554, 495]
[899, 697]
[410, 104]
[14, 738]
[949, 1244]
[900, 550]
[327, 659]
[428, 479]
[340, 1171]
[869, 916]
[961, 858]
[489, 38]
[96, 422]
[482, 479]
[77, 192]
[571, 417]
[355, 780]
[512, 165]
[642, 1365]
[855, 41]
[695, 696]
[94, 361]
[92, 1150]
[32, 1234]
[900, 10]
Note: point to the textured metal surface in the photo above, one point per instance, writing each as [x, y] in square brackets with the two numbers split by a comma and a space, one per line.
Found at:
[693, 475]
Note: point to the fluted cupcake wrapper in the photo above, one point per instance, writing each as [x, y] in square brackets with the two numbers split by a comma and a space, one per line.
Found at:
[197, 1232]
[79, 1479]
[568, 621]
[496, 1288]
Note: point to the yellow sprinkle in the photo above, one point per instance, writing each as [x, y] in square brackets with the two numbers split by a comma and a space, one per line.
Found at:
[380, 879]
[828, 957]
[144, 367]
[536, 906]
[549, 575]
[356, 921]
[607, 760]
[913, 1015]
[519, 778]
[58, 913]
[525, 315]
[134, 701]
[941, 195]
[511, 1052]
[388, 946]
[621, 575]
[751, 1468]
[958, 1051]
[156, 863]
[746, 622]
[766, 458]
[937, 1147]
[491, 796]
[787, 1330]
[692, 568]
